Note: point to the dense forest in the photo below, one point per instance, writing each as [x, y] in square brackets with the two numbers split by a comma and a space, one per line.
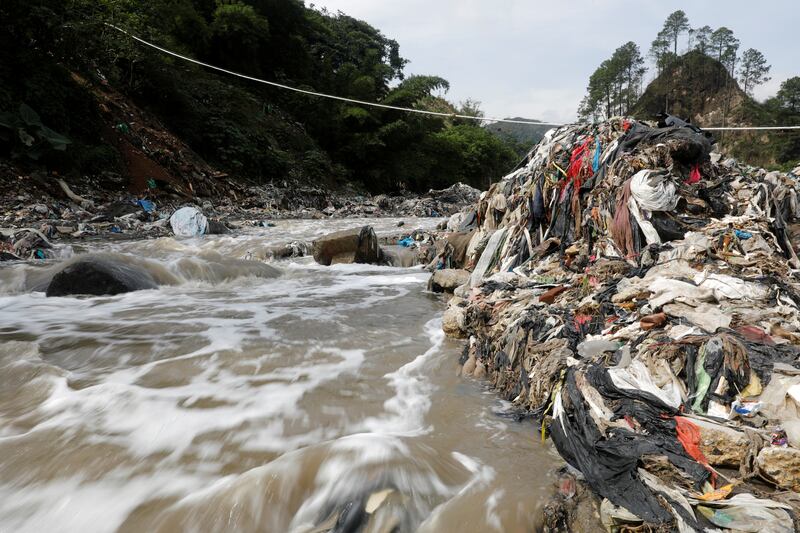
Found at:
[55, 54]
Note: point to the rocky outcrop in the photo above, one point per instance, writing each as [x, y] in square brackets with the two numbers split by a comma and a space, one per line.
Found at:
[99, 276]
[359, 245]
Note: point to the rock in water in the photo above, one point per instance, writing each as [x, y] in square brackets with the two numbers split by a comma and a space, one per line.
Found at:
[100, 276]
[398, 256]
[454, 319]
[448, 279]
[215, 227]
[359, 245]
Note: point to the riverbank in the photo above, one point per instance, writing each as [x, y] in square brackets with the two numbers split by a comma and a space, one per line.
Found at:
[54, 211]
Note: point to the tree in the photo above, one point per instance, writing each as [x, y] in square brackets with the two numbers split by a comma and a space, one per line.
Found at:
[659, 52]
[631, 67]
[675, 25]
[724, 46]
[615, 85]
[702, 39]
[788, 96]
[753, 70]
[238, 36]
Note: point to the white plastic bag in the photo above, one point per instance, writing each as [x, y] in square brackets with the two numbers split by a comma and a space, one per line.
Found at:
[188, 222]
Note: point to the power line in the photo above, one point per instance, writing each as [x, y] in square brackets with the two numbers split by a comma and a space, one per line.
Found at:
[387, 106]
[743, 128]
[330, 96]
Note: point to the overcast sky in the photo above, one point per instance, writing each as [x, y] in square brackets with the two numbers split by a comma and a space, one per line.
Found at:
[533, 58]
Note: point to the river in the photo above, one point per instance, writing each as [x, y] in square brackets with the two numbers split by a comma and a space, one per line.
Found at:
[231, 401]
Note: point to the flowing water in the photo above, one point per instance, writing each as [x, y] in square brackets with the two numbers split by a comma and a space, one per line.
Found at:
[233, 400]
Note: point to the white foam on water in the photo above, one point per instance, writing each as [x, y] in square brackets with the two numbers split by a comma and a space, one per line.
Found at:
[124, 411]
[406, 410]
[81, 505]
[492, 518]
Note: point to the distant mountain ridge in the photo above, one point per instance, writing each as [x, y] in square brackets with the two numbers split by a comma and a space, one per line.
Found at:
[523, 135]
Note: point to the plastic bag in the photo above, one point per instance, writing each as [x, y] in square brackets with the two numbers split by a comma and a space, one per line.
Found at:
[188, 222]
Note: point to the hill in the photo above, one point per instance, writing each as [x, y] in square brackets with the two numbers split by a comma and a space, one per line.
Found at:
[699, 88]
[78, 98]
[521, 135]
[695, 87]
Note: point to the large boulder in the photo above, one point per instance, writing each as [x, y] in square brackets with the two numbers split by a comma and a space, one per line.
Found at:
[399, 256]
[448, 279]
[359, 245]
[781, 465]
[100, 276]
[721, 445]
[454, 319]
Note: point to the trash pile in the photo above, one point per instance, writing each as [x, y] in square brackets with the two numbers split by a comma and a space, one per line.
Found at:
[640, 298]
[434, 203]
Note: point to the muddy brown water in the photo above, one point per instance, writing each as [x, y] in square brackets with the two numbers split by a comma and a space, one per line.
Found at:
[227, 401]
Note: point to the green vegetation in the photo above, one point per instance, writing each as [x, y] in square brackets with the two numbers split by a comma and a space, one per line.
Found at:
[26, 134]
[519, 136]
[710, 84]
[616, 84]
[249, 130]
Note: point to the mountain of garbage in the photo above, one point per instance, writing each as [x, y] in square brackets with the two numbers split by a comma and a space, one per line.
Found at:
[639, 296]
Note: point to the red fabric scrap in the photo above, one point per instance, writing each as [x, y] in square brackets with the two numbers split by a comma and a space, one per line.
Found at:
[689, 436]
[694, 175]
[580, 320]
[576, 159]
[755, 334]
[575, 166]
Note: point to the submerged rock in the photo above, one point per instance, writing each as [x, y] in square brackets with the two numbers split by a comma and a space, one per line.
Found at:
[215, 227]
[359, 245]
[398, 256]
[100, 276]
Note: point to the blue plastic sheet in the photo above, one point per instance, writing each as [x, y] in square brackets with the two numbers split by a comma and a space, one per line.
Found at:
[596, 160]
[147, 205]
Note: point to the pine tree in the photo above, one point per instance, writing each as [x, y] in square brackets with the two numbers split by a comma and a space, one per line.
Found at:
[675, 25]
[702, 39]
[724, 46]
[754, 70]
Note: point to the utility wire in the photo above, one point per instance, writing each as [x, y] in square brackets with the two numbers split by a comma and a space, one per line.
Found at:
[387, 106]
[332, 97]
